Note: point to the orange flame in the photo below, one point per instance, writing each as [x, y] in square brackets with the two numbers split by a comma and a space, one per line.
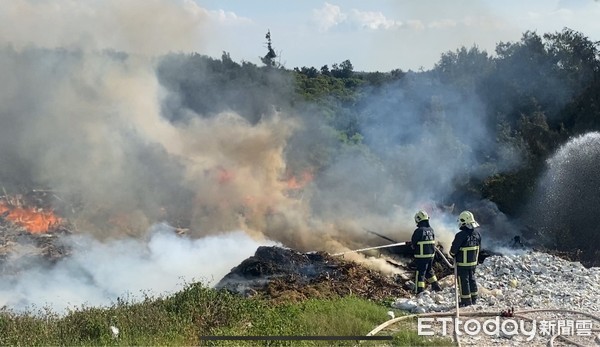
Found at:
[36, 221]
[295, 183]
[224, 175]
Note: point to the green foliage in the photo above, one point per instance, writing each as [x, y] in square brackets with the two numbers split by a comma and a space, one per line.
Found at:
[319, 88]
[534, 94]
[209, 86]
[537, 93]
[465, 68]
[573, 55]
[548, 71]
[344, 70]
[269, 58]
[196, 311]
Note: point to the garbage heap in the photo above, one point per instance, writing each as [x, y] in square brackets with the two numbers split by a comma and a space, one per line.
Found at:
[282, 274]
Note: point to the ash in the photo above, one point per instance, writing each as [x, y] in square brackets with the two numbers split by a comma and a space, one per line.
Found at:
[284, 274]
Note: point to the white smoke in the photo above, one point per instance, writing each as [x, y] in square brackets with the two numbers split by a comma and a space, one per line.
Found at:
[81, 112]
[80, 115]
[146, 27]
[429, 139]
[97, 273]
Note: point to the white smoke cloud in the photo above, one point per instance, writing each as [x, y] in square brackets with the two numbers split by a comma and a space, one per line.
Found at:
[98, 273]
[87, 123]
[90, 124]
[146, 27]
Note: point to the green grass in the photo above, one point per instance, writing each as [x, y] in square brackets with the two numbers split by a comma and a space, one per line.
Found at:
[196, 311]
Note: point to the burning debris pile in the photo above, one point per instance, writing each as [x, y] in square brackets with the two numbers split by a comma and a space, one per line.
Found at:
[29, 229]
[283, 274]
[31, 212]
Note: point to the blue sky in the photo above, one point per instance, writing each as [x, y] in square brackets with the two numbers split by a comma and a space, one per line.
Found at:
[386, 34]
[375, 34]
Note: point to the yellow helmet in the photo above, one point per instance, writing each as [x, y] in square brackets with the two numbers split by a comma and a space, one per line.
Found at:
[467, 219]
[421, 216]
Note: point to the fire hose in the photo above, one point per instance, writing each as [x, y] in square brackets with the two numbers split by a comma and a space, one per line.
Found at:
[513, 313]
[396, 243]
[437, 251]
[370, 248]
[456, 289]
[518, 314]
[455, 299]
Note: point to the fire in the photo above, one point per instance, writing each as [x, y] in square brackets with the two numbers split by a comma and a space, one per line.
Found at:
[36, 221]
[224, 175]
[295, 183]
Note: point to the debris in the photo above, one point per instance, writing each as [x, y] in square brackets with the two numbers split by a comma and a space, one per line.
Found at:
[283, 274]
[543, 281]
[29, 230]
[405, 304]
[32, 212]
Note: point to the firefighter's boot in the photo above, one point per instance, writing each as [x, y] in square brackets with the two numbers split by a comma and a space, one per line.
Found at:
[436, 287]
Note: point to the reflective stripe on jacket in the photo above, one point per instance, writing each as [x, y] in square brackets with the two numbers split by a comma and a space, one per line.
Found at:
[465, 247]
[423, 242]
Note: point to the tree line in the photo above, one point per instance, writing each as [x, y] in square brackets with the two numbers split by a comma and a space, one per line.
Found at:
[535, 94]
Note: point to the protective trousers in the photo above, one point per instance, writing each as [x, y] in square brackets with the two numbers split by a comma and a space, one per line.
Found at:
[467, 284]
[424, 273]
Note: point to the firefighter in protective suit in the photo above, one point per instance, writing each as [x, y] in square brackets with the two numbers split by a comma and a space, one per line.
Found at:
[423, 245]
[465, 250]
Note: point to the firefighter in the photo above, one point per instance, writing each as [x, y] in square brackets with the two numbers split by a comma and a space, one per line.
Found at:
[423, 245]
[465, 251]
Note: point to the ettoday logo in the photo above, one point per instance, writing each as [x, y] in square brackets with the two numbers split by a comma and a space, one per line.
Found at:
[473, 327]
[506, 327]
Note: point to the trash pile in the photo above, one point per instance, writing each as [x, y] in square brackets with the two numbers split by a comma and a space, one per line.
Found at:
[282, 274]
[521, 280]
[29, 231]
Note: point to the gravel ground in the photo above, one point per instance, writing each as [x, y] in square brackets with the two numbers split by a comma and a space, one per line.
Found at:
[523, 281]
